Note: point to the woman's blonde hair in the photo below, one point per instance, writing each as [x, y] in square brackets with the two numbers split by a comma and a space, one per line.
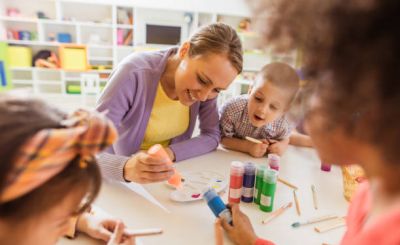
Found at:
[218, 38]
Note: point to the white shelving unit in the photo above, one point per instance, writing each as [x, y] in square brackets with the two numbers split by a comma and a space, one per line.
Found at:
[97, 24]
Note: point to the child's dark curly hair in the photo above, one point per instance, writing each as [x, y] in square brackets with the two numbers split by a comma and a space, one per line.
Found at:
[352, 50]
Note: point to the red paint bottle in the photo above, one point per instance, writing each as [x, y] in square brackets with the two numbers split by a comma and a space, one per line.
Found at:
[236, 182]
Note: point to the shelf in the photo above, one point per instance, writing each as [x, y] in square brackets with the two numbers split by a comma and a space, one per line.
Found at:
[21, 81]
[54, 44]
[36, 43]
[121, 26]
[49, 82]
[57, 22]
[101, 58]
[18, 19]
[21, 68]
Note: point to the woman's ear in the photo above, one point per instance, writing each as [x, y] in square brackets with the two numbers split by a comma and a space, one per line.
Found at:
[184, 49]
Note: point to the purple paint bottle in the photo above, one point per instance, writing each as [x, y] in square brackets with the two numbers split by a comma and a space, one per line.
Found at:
[325, 167]
[274, 161]
[248, 182]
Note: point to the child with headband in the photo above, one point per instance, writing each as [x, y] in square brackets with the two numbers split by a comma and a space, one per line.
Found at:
[48, 173]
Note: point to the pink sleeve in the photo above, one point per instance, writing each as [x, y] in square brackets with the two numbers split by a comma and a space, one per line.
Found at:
[260, 241]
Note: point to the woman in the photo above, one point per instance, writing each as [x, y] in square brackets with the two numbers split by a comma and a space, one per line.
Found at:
[351, 50]
[155, 98]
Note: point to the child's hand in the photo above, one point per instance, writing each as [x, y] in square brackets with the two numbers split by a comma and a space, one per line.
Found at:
[118, 237]
[257, 150]
[278, 147]
[242, 231]
[96, 226]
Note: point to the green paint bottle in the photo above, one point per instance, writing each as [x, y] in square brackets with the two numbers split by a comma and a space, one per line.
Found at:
[268, 190]
[259, 183]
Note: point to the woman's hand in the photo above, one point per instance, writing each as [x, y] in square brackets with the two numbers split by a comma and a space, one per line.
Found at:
[242, 231]
[278, 147]
[144, 168]
[118, 237]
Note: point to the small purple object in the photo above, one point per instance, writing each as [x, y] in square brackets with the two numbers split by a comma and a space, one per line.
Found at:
[325, 167]
[274, 161]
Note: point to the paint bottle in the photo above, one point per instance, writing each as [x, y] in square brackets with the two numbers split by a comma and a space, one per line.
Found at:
[248, 182]
[158, 150]
[236, 182]
[216, 205]
[274, 161]
[268, 190]
[325, 167]
[259, 182]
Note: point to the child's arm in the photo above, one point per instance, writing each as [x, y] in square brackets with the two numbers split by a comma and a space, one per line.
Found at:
[254, 149]
[278, 147]
[298, 139]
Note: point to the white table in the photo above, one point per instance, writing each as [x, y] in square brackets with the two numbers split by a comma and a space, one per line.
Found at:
[192, 223]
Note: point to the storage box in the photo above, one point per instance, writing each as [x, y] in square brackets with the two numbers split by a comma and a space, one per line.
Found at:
[19, 56]
[73, 57]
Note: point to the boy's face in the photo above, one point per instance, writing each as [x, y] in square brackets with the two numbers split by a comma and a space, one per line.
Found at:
[267, 103]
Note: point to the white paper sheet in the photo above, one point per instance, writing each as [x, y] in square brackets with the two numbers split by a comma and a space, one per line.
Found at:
[140, 190]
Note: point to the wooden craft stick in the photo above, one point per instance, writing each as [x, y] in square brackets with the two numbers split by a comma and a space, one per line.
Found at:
[296, 201]
[336, 223]
[277, 212]
[287, 183]
[253, 140]
[314, 195]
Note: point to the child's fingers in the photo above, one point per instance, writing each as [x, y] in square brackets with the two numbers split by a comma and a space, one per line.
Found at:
[219, 237]
[116, 237]
[226, 226]
[104, 234]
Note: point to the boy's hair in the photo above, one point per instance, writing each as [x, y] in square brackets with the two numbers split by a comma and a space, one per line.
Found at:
[20, 120]
[281, 75]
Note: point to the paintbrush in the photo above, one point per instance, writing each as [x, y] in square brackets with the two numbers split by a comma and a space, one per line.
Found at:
[333, 224]
[277, 212]
[314, 195]
[314, 220]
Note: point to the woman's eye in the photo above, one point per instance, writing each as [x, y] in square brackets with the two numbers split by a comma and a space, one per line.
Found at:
[201, 81]
[258, 99]
[274, 108]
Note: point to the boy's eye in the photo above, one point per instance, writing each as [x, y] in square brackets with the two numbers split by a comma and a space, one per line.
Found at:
[274, 108]
[217, 91]
[258, 99]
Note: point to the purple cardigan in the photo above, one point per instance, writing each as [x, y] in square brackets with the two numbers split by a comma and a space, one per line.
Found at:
[128, 98]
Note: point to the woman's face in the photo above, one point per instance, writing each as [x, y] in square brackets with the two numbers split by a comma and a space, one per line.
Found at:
[47, 228]
[202, 77]
[334, 146]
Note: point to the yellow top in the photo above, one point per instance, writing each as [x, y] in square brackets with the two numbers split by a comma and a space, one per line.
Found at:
[168, 119]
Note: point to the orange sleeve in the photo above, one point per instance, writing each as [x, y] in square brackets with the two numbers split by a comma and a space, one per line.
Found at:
[260, 241]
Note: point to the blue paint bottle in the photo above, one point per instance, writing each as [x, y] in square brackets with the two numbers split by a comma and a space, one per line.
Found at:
[248, 182]
[216, 205]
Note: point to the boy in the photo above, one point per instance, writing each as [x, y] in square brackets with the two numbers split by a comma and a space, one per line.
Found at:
[261, 113]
